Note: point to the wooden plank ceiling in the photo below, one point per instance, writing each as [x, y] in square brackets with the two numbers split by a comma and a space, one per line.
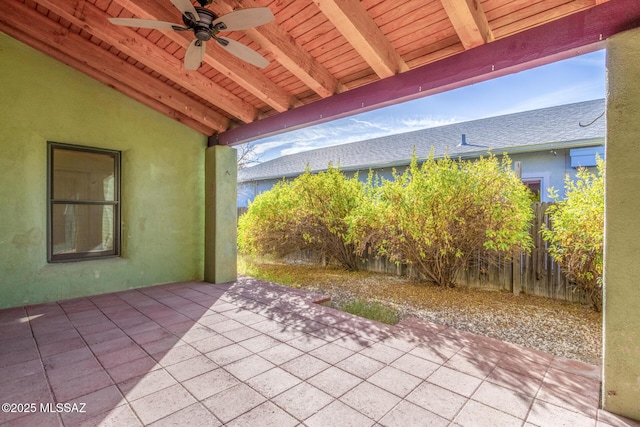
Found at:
[315, 48]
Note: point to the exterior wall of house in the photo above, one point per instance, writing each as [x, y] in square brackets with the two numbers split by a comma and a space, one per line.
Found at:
[247, 191]
[621, 363]
[549, 166]
[162, 182]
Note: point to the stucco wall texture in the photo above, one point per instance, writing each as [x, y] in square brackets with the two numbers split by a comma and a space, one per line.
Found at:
[162, 182]
[621, 364]
[220, 222]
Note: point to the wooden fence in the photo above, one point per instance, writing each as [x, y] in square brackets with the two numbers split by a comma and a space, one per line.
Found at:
[534, 273]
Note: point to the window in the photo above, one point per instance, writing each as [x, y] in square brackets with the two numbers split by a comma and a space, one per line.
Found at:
[534, 185]
[84, 203]
[538, 183]
[585, 157]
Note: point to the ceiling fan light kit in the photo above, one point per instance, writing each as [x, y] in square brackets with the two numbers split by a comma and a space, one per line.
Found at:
[206, 25]
[201, 28]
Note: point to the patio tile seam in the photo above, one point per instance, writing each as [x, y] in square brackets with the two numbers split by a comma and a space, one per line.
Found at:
[162, 368]
[168, 416]
[472, 397]
[68, 309]
[383, 365]
[44, 372]
[594, 418]
[467, 398]
[572, 405]
[388, 363]
[165, 327]
[174, 292]
[485, 377]
[536, 394]
[347, 390]
[127, 399]
[449, 418]
[240, 414]
[113, 316]
[244, 382]
[86, 345]
[272, 400]
[402, 399]
[178, 382]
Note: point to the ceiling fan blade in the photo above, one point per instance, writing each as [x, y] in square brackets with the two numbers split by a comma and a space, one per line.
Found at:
[243, 52]
[243, 19]
[193, 56]
[145, 23]
[185, 6]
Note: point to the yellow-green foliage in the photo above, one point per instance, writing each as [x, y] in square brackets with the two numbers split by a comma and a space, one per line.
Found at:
[310, 212]
[267, 227]
[577, 233]
[439, 214]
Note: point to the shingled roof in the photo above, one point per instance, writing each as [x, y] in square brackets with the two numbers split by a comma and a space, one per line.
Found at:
[564, 126]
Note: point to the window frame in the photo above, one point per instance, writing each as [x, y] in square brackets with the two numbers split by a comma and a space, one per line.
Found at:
[545, 180]
[535, 181]
[51, 202]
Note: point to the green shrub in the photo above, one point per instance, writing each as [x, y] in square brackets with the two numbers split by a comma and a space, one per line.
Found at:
[266, 227]
[309, 213]
[576, 236]
[438, 215]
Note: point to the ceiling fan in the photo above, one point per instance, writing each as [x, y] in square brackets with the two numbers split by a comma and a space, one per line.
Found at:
[206, 25]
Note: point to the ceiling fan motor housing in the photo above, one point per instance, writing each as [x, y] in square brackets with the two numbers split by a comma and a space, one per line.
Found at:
[202, 28]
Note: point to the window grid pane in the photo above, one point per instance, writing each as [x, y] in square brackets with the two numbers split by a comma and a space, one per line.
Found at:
[84, 203]
[81, 175]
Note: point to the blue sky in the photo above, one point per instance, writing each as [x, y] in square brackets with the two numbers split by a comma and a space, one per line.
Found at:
[573, 80]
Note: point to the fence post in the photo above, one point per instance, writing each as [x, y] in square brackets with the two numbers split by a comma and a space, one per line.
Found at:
[516, 278]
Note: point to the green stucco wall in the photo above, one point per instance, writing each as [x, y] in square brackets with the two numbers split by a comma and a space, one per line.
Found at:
[221, 242]
[621, 364]
[162, 182]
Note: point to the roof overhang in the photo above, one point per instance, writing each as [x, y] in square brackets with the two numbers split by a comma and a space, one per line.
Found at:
[547, 146]
[573, 35]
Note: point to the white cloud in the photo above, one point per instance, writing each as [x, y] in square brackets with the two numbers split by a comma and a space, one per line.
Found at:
[343, 132]
[368, 124]
[417, 123]
[263, 147]
[322, 141]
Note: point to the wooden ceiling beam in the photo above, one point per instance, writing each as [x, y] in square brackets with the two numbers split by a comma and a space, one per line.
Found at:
[107, 68]
[230, 66]
[287, 51]
[361, 31]
[563, 38]
[129, 42]
[469, 21]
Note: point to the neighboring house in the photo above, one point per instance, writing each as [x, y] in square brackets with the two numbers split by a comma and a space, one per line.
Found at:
[549, 143]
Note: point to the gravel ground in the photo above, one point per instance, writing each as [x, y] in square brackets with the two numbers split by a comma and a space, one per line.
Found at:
[557, 327]
[548, 330]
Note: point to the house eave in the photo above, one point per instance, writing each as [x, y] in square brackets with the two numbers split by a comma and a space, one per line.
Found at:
[578, 143]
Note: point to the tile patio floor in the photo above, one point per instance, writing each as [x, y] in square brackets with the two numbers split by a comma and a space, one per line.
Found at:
[253, 353]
